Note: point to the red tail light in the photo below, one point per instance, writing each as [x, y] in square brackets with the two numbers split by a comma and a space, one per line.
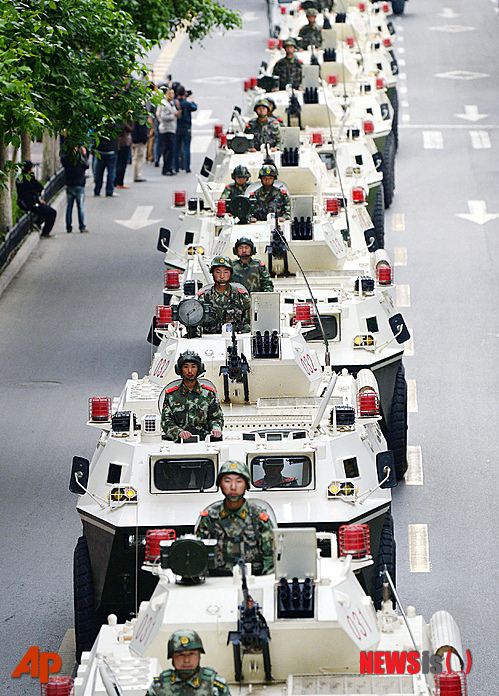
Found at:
[384, 274]
[280, 43]
[179, 198]
[358, 194]
[368, 126]
[317, 139]
[254, 82]
[273, 44]
[283, 9]
[386, 7]
[333, 205]
[163, 316]
[367, 404]
[58, 686]
[218, 129]
[354, 540]
[247, 85]
[172, 279]
[387, 43]
[333, 80]
[223, 140]
[221, 207]
[99, 409]
[362, 6]
[451, 684]
[302, 312]
[153, 537]
[350, 41]
[380, 83]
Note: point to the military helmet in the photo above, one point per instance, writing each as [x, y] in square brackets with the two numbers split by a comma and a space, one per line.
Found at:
[189, 356]
[240, 171]
[234, 467]
[180, 641]
[289, 42]
[311, 12]
[223, 261]
[271, 101]
[244, 240]
[268, 170]
[261, 102]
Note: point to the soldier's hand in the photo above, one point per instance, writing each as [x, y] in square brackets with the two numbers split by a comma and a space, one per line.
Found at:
[184, 434]
[216, 433]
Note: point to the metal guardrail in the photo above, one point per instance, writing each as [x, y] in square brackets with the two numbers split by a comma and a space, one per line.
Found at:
[18, 232]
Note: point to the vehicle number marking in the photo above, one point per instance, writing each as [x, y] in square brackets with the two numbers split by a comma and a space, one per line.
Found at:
[308, 364]
[161, 368]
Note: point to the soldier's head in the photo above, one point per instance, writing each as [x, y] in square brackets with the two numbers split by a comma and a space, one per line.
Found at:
[244, 248]
[273, 470]
[221, 269]
[271, 105]
[311, 15]
[267, 175]
[189, 366]
[289, 46]
[241, 175]
[234, 480]
[262, 109]
[184, 650]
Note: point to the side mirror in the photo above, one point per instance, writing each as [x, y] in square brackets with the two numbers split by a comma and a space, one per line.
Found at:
[384, 461]
[79, 475]
[163, 239]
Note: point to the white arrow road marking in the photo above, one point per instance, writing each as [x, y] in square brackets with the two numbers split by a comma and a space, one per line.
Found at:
[433, 140]
[419, 548]
[478, 213]
[480, 140]
[140, 218]
[200, 143]
[471, 113]
[462, 75]
[203, 118]
[452, 28]
[403, 293]
[414, 474]
[448, 13]
[412, 396]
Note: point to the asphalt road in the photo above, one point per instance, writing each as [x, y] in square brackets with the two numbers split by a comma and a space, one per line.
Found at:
[73, 325]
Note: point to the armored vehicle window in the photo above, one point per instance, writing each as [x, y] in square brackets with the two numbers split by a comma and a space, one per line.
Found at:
[372, 324]
[114, 473]
[183, 474]
[281, 472]
[330, 324]
[351, 467]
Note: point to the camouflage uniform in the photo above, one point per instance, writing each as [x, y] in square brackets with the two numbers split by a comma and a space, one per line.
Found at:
[233, 190]
[243, 533]
[197, 411]
[309, 35]
[231, 307]
[205, 682]
[268, 132]
[263, 203]
[289, 71]
[253, 275]
[283, 483]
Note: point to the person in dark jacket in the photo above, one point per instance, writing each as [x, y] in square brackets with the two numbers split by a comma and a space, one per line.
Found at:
[28, 198]
[106, 152]
[140, 133]
[124, 152]
[75, 164]
[186, 106]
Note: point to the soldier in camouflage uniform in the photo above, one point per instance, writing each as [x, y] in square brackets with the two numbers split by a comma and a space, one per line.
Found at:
[229, 302]
[289, 69]
[249, 272]
[241, 178]
[310, 34]
[242, 528]
[273, 477]
[268, 198]
[264, 128]
[187, 678]
[190, 407]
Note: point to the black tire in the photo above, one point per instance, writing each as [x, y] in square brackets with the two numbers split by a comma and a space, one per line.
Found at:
[398, 7]
[389, 169]
[267, 667]
[397, 434]
[86, 623]
[378, 221]
[238, 665]
[387, 556]
[395, 123]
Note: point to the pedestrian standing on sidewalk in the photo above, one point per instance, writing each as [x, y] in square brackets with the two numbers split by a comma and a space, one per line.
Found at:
[75, 164]
[105, 159]
[167, 114]
[124, 152]
[140, 133]
[186, 105]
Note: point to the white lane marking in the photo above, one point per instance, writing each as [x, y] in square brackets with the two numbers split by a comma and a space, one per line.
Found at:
[412, 396]
[400, 256]
[404, 104]
[201, 143]
[402, 62]
[400, 49]
[433, 140]
[478, 213]
[414, 474]
[403, 89]
[402, 76]
[409, 345]
[140, 218]
[448, 13]
[480, 140]
[406, 118]
[419, 551]
[400, 38]
[452, 28]
[398, 222]
[471, 113]
[167, 54]
[203, 118]
[403, 296]
[462, 75]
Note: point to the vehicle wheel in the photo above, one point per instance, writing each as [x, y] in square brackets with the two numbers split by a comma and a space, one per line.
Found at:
[267, 667]
[395, 122]
[238, 665]
[378, 221]
[389, 169]
[386, 556]
[397, 435]
[398, 7]
[86, 623]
